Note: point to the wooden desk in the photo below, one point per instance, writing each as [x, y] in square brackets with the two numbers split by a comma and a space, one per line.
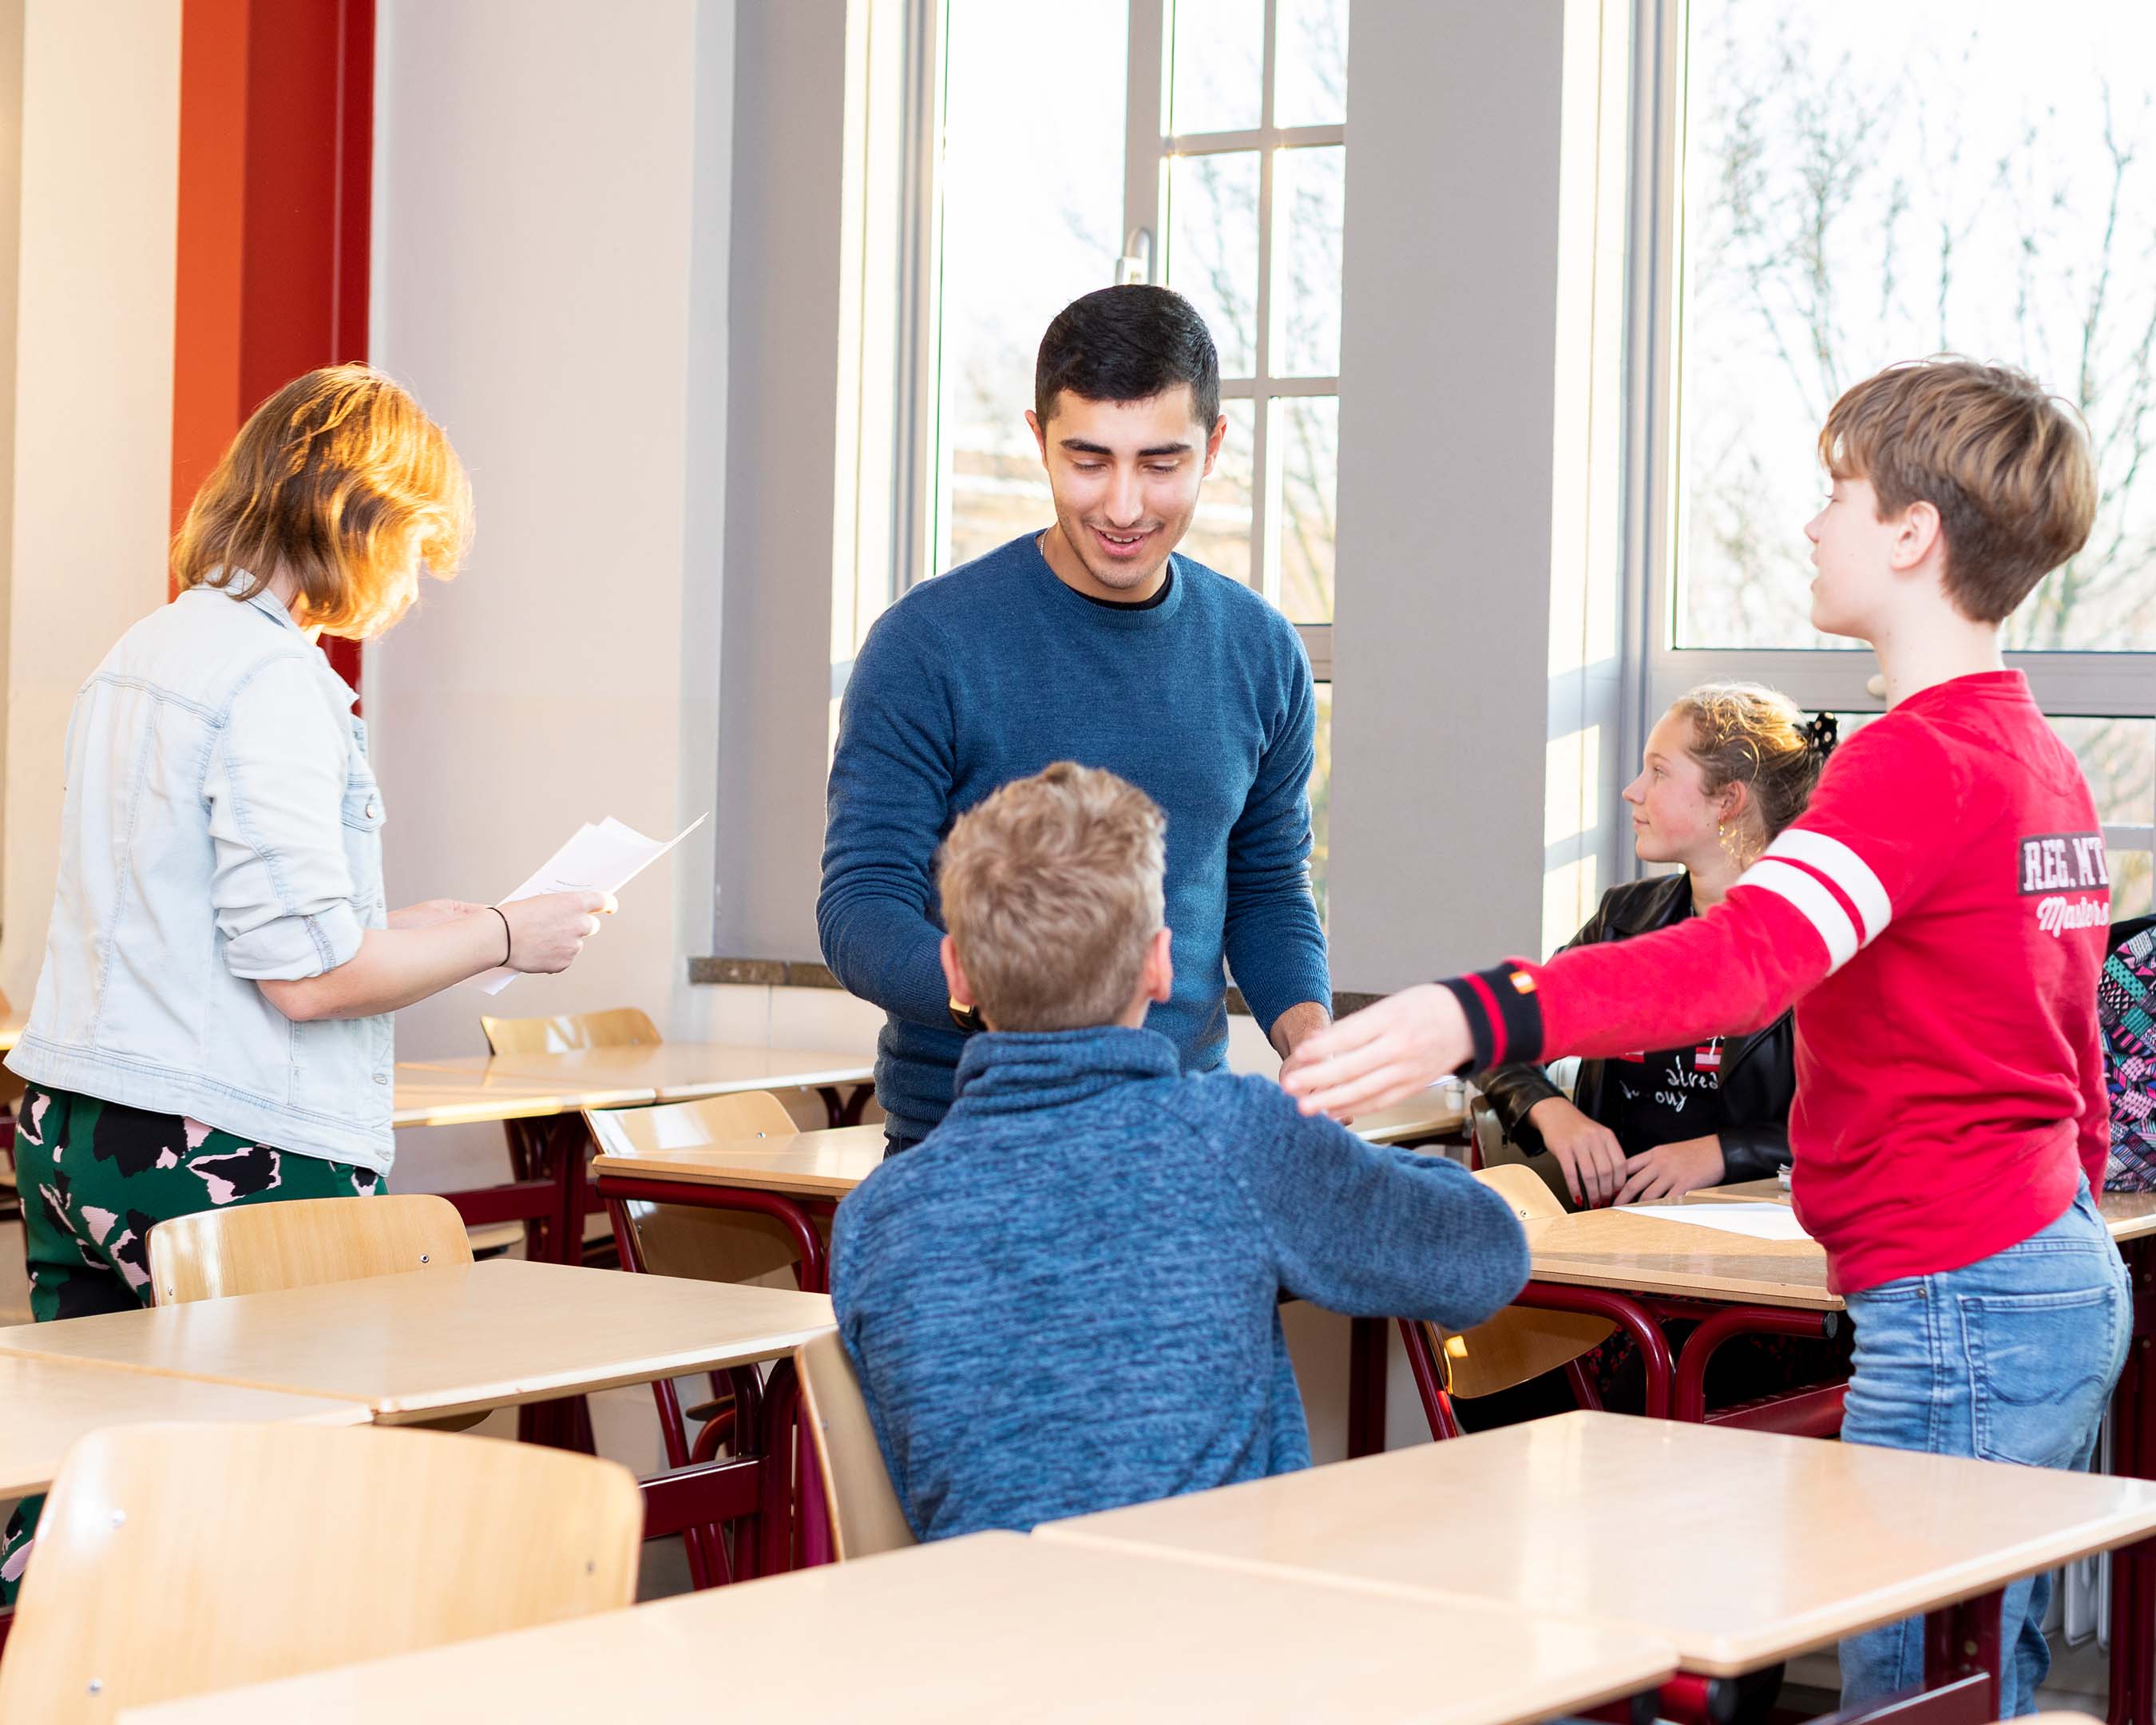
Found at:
[539, 1098]
[1440, 1114]
[429, 1097]
[50, 1403]
[1645, 1255]
[669, 1071]
[992, 1628]
[459, 1339]
[819, 1164]
[1739, 1547]
[2129, 1215]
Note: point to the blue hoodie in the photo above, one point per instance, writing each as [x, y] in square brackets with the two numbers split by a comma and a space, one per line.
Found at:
[1066, 1297]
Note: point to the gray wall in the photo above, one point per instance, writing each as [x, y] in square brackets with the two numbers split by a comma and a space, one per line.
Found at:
[1441, 641]
[782, 480]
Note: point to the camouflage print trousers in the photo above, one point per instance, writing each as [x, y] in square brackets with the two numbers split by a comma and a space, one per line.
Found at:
[95, 1177]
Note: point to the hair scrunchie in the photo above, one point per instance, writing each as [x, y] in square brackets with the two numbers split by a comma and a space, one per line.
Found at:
[1821, 736]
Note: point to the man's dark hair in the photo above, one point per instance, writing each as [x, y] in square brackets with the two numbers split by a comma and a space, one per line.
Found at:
[1128, 343]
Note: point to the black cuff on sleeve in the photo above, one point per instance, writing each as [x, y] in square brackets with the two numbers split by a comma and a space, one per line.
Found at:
[1504, 1014]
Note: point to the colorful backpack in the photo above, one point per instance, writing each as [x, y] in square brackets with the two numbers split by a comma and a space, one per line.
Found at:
[2126, 1009]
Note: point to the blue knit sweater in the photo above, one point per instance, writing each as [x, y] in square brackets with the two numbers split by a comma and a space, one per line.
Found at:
[996, 669]
[1066, 1297]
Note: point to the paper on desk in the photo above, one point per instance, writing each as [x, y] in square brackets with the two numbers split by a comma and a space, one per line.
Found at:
[1757, 1221]
[603, 858]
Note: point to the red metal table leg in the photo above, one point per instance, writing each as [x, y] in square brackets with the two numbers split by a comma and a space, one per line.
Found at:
[776, 1514]
[1366, 1386]
[811, 1270]
[1630, 1316]
[1726, 1325]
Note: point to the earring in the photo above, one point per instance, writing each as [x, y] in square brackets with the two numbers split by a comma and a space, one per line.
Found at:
[1733, 850]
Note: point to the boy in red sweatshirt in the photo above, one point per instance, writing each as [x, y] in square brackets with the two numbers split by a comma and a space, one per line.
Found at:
[1937, 916]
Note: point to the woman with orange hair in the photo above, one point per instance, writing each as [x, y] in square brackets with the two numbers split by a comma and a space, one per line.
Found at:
[212, 1024]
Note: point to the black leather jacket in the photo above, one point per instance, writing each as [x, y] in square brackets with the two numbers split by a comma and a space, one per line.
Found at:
[1758, 1071]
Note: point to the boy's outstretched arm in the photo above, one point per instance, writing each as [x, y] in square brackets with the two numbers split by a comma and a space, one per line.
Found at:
[1877, 836]
[1370, 1231]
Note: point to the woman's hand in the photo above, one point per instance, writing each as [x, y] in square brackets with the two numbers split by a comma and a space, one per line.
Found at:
[546, 933]
[1669, 1170]
[1382, 1055]
[430, 912]
[1588, 1151]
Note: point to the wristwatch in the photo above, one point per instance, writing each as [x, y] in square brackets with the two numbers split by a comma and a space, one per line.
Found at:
[966, 1018]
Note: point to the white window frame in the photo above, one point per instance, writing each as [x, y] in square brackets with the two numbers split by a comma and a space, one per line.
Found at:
[1149, 146]
[2065, 684]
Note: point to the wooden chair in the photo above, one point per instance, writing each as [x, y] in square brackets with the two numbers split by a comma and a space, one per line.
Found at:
[533, 1144]
[865, 1517]
[1518, 1344]
[248, 1552]
[250, 1248]
[618, 1027]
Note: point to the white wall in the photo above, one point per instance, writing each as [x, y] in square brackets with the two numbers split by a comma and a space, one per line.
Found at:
[93, 397]
[541, 167]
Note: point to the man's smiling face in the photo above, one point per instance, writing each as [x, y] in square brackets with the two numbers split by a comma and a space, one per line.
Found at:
[1125, 476]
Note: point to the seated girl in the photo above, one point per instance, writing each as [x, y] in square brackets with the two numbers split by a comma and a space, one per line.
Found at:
[1728, 767]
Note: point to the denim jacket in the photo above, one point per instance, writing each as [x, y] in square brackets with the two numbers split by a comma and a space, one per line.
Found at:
[222, 826]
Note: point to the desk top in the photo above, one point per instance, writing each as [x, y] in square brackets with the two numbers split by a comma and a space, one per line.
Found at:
[51, 1403]
[985, 1629]
[1739, 1548]
[1439, 1114]
[2128, 1214]
[427, 1096]
[435, 1342]
[818, 1164]
[831, 1163]
[665, 1071]
[1608, 1249]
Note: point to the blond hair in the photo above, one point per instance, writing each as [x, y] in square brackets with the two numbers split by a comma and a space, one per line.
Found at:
[1052, 887]
[2006, 465]
[341, 478]
[1748, 734]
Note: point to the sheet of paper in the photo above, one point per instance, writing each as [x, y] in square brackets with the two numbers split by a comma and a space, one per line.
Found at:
[603, 858]
[1757, 1221]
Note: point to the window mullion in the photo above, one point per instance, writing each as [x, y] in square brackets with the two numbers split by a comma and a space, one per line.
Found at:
[1145, 129]
[1264, 489]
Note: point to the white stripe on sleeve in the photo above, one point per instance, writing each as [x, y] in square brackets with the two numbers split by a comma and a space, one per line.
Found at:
[1846, 868]
[1787, 880]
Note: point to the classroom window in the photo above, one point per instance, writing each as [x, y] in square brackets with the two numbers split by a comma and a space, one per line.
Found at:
[1209, 152]
[1828, 190]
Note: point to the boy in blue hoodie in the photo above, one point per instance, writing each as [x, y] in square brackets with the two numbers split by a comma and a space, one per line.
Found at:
[1067, 1298]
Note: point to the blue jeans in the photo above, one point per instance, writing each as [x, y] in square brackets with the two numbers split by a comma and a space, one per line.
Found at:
[2011, 1358]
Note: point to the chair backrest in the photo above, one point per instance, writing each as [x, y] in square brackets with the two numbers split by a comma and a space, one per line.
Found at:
[710, 1245]
[865, 1517]
[618, 1027]
[1519, 1342]
[250, 1248]
[249, 1552]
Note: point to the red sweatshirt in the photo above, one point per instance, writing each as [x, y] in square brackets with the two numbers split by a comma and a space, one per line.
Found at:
[1938, 915]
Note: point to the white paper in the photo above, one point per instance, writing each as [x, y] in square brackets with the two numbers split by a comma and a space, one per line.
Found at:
[1756, 1221]
[603, 858]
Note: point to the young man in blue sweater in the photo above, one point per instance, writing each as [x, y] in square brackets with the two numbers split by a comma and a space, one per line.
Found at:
[1066, 1297]
[1088, 641]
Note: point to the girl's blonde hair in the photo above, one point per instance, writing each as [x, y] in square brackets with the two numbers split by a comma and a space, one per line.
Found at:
[342, 479]
[1748, 734]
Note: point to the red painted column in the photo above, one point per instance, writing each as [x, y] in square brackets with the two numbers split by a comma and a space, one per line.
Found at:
[276, 165]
